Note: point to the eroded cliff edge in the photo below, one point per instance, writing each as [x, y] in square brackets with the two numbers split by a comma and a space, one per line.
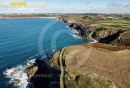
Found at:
[110, 35]
[84, 66]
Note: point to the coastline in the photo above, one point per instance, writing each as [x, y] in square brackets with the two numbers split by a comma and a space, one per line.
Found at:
[24, 17]
[100, 34]
[76, 32]
[15, 72]
[99, 48]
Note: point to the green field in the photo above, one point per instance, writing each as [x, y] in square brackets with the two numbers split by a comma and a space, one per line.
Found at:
[124, 24]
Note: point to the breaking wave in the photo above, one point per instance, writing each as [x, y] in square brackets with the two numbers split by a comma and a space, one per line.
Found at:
[17, 75]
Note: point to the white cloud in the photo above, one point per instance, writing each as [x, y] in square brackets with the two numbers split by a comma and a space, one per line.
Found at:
[112, 7]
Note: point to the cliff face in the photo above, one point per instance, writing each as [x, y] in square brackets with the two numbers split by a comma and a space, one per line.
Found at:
[84, 66]
[94, 65]
[123, 39]
[106, 35]
[103, 35]
[43, 77]
[62, 20]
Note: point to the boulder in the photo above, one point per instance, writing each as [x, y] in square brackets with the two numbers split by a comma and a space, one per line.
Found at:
[31, 71]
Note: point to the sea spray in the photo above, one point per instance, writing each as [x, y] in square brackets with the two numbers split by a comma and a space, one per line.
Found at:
[18, 76]
[75, 33]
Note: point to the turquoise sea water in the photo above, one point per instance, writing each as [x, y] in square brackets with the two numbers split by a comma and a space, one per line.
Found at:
[22, 38]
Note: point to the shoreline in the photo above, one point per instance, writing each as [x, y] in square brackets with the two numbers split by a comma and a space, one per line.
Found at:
[78, 33]
[98, 49]
[14, 71]
[100, 34]
[24, 17]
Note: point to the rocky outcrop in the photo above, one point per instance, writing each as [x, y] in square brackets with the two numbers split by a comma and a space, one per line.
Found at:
[62, 20]
[43, 77]
[31, 71]
[104, 35]
[79, 27]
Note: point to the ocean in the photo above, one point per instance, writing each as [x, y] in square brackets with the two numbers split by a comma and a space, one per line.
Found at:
[21, 39]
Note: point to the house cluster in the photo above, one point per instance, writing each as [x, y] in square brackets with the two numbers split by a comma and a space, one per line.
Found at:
[104, 16]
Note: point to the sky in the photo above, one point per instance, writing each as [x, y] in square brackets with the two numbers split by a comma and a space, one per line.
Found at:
[71, 6]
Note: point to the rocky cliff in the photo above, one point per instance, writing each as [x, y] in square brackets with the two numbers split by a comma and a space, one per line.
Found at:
[103, 35]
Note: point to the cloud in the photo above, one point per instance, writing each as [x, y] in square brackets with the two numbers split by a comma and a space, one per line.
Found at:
[87, 7]
[127, 6]
[115, 6]
[66, 3]
[87, 3]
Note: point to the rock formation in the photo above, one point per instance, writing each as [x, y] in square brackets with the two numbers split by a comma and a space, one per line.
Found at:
[102, 35]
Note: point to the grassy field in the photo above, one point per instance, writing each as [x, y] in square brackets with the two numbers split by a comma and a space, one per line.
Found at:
[124, 24]
[116, 21]
[97, 23]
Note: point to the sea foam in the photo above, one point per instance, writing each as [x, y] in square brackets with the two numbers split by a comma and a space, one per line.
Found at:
[74, 33]
[17, 75]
